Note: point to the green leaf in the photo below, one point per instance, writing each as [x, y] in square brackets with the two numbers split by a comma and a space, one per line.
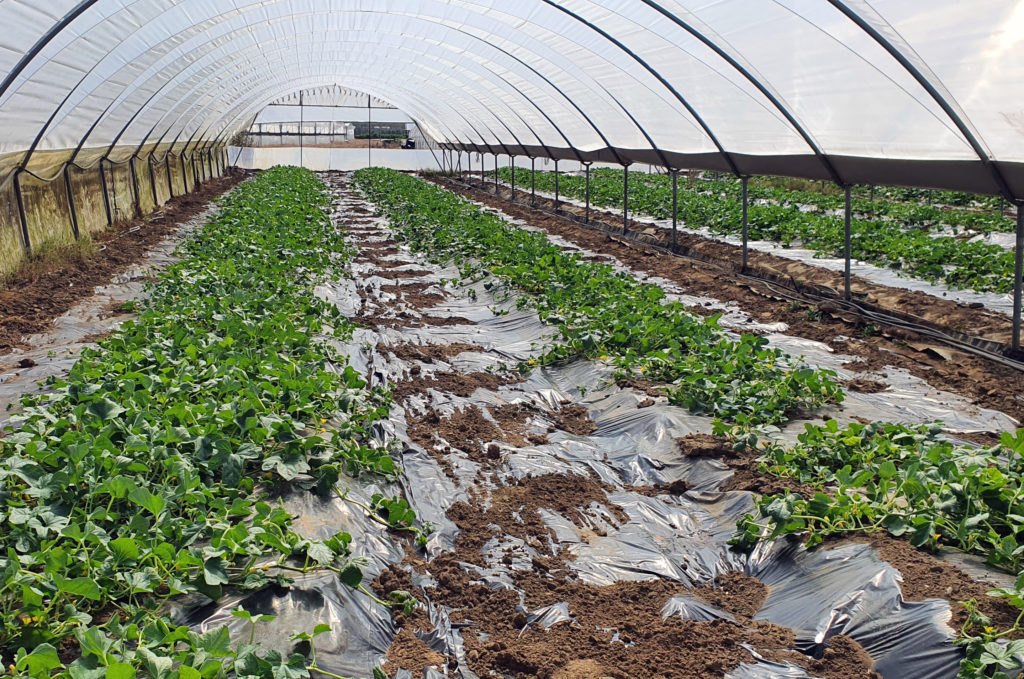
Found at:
[105, 409]
[125, 549]
[147, 500]
[215, 571]
[120, 671]
[79, 587]
[40, 662]
[351, 575]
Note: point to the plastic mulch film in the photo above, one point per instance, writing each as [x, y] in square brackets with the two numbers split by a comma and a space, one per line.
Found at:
[818, 594]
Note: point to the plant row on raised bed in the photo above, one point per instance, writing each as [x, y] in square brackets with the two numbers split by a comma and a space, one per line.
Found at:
[908, 481]
[958, 263]
[600, 312]
[953, 209]
[144, 474]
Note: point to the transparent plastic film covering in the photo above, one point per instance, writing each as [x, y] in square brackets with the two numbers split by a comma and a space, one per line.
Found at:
[847, 90]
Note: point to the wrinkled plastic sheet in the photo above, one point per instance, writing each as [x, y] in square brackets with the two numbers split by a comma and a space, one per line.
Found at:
[1001, 303]
[846, 590]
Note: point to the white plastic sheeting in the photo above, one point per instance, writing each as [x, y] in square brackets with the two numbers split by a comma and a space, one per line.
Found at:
[850, 90]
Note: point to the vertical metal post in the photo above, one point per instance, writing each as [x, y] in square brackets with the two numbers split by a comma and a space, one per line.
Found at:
[533, 182]
[152, 180]
[170, 182]
[745, 222]
[71, 200]
[556, 185]
[369, 133]
[512, 162]
[106, 193]
[483, 177]
[675, 205]
[134, 176]
[846, 247]
[184, 171]
[21, 211]
[302, 125]
[495, 174]
[1018, 272]
[586, 167]
[625, 199]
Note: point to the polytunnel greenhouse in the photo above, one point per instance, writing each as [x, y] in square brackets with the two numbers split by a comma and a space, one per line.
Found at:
[549, 339]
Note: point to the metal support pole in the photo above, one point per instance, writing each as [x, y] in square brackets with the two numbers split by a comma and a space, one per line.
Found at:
[483, 177]
[625, 199]
[369, 133]
[556, 184]
[586, 167]
[134, 176]
[302, 125]
[184, 171]
[170, 182]
[21, 211]
[152, 180]
[495, 174]
[1018, 272]
[675, 204]
[512, 162]
[846, 247]
[533, 182]
[106, 193]
[745, 222]
[71, 200]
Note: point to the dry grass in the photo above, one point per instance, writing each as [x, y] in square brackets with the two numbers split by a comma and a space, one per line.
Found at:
[51, 257]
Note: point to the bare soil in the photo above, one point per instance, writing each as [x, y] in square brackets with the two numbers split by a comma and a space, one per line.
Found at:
[42, 290]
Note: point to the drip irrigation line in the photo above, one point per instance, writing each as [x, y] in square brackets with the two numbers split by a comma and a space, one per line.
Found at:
[987, 349]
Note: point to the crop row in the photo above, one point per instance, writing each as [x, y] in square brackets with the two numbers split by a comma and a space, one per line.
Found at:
[909, 482]
[599, 312]
[959, 211]
[144, 474]
[958, 263]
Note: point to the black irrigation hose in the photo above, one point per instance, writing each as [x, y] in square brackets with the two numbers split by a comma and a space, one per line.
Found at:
[987, 349]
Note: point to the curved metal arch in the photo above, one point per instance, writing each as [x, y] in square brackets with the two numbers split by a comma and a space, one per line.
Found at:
[568, 99]
[126, 126]
[471, 11]
[319, 83]
[42, 42]
[285, 84]
[523, 95]
[756, 82]
[383, 94]
[633, 55]
[203, 83]
[509, 106]
[275, 89]
[929, 87]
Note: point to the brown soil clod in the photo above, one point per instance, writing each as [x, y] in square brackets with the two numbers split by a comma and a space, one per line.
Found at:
[744, 465]
[865, 386]
[459, 384]
[427, 353]
[575, 420]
